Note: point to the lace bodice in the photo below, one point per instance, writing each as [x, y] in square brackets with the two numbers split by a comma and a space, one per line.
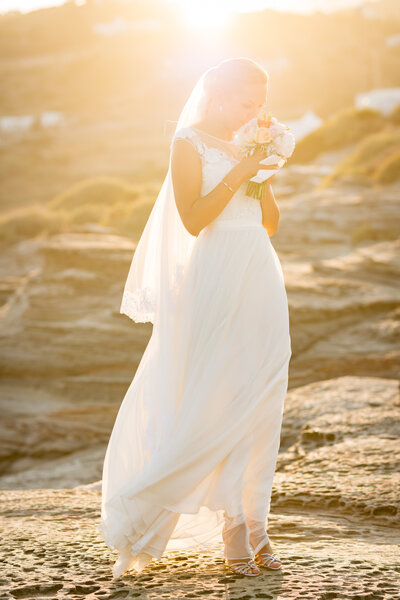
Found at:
[216, 163]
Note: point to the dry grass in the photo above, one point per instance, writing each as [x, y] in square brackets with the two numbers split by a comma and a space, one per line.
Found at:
[375, 158]
[105, 201]
[339, 131]
[97, 192]
[29, 223]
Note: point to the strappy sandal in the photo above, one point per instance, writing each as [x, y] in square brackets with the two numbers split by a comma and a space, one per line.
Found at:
[239, 566]
[270, 559]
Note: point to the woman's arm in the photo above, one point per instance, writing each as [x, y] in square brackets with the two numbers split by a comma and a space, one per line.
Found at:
[198, 211]
[270, 211]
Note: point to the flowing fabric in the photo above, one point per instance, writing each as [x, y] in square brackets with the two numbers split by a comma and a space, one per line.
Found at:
[165, 245]
[193, 450]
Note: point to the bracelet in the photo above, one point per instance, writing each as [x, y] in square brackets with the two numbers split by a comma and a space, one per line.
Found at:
[228, 186]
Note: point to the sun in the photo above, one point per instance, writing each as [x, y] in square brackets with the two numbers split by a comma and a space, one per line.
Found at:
[205, 14]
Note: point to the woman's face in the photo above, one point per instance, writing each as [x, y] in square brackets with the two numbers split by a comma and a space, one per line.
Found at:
[244, 105]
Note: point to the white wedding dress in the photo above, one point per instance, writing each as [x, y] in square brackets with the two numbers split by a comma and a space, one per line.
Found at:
[194, 446]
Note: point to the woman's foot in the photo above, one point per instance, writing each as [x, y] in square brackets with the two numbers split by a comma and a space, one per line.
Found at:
[243, 567]
[261, 545]
[266, 558]
[238, 554]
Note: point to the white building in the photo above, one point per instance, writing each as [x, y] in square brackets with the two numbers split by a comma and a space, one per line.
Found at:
[384, 100]
[307, 123]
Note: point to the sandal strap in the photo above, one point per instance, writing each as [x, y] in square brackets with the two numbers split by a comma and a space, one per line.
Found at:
[242, 564]
[271, 557]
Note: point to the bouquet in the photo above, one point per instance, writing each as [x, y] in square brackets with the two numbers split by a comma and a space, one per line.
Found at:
[274, 138]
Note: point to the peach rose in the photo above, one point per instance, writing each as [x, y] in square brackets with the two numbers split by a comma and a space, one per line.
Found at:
[263, 135]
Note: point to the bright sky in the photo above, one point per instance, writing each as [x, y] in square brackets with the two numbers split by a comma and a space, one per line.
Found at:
[218, 6]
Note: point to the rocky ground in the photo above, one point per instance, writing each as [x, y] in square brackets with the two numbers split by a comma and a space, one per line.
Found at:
[51, 550]
[67, 357]
[334, 518]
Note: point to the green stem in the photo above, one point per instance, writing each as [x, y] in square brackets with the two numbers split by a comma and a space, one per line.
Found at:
[256, 190]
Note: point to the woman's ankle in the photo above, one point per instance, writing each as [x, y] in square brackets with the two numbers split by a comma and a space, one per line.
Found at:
[235, 535]
[258, 537]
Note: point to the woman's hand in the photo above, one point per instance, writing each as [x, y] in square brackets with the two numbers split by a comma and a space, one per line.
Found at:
[250, 165]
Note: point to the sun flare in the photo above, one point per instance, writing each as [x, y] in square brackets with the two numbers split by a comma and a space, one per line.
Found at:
[205, 14]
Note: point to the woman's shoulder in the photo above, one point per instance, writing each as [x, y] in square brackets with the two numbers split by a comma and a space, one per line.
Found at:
[187, 133]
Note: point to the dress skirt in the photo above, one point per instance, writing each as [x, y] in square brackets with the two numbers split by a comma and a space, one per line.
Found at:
[198, 431]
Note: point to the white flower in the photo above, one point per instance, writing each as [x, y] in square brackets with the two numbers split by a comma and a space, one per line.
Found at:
[285, 144]
[247, 133]
[277, 129]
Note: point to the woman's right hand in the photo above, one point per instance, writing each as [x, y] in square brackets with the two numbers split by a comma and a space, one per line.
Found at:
[250, 165]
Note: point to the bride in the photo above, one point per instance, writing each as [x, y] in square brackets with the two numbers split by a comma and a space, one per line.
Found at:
[193, 450]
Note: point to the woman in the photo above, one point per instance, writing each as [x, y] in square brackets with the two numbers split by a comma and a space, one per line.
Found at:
[194, 446]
